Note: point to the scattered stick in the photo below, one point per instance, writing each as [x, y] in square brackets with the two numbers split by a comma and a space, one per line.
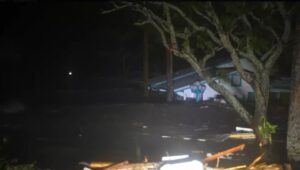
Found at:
[226, 152]
[256, 160]
[114, 166]
[242, 136]
[96, 164]
[237, 167]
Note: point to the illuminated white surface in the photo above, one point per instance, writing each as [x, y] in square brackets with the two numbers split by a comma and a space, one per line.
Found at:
[85, 168]
[191, 165]
[243, 129]
[172, 158]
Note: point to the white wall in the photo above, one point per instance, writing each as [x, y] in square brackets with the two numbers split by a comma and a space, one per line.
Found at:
[240, 91]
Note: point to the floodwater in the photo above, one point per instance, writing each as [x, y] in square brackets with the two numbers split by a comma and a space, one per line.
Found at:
[58, 137]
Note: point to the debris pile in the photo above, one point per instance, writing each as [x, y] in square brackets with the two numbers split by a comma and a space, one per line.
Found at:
[183, 162]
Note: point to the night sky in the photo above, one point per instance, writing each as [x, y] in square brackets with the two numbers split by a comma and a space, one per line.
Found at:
[42, 42]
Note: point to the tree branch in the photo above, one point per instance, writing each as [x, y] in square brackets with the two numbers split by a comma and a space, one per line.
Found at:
[202, 15]
[171, 27]
[210, 55]
[268, 53]
[223, 91]
[287, 22]
[284, 38]
[191, 22]
[273, 58]
[211, 11]
[116, 7]
[262, 24]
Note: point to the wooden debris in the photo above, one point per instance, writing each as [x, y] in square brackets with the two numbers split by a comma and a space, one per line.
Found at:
[237, 167]
[242, 136]
[117, 165]
[226, 152]
[129, 166]
[96, 164]
[100, 164]
[264, 166]
[256, 160]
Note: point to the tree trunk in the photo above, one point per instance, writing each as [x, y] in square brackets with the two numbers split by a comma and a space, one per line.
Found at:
[146, 62]
[169, 75]
[293, 134]
[262, 90]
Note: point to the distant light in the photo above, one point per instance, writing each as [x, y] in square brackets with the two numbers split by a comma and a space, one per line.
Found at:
[191, 165]
[70, 73]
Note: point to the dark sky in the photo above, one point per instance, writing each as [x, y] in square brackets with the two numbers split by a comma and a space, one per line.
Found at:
[48, 40]
[41, 42]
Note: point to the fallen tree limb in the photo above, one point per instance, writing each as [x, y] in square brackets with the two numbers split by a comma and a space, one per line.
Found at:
[226, 152]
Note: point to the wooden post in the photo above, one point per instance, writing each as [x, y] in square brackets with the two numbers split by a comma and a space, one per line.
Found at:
[169, 75]
[146, 61]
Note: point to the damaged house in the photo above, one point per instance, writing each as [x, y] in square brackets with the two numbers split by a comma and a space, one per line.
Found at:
[223, 73]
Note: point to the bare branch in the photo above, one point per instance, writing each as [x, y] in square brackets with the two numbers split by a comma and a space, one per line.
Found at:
[202, 15]
[246, 21]
[211, 11]
[162, 34]
[278, 48]
[287, 22]
[221, 89]
[142, 23]
[228, 45]
[171, 27]
[235, 38]
[116, 7]
[273, 58]
[191, 22]
[210, 55]
[235, 57]
[262, 24]
[268, 53]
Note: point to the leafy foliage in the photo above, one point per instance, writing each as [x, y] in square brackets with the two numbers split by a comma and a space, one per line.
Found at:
[266, 129]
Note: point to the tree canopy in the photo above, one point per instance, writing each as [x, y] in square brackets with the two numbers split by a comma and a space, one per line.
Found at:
[197, 31]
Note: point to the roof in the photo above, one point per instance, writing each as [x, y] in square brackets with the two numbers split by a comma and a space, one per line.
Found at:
[188, 75]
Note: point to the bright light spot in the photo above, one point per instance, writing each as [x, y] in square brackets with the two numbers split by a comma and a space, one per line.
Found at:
[208, 154]
[172, 158]
[201, 140]
[70, 73]
[191, 165]
[85, 168]
[144, 126]
[186, 138]
[243, 129]
[166, 136]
